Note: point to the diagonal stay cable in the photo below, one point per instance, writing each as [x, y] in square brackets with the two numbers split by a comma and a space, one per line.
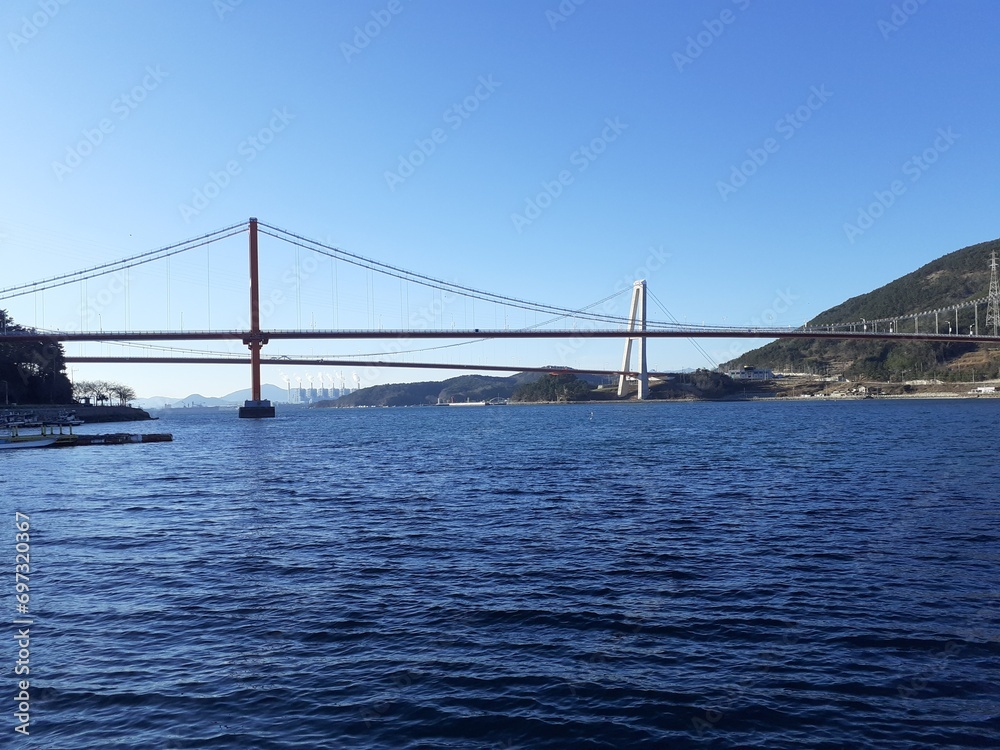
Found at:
[694, 342]
[479, 341]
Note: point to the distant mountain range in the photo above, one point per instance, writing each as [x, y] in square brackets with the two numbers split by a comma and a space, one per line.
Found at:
[273, 393]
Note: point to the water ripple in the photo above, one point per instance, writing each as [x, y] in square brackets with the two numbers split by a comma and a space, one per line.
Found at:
[660, 575]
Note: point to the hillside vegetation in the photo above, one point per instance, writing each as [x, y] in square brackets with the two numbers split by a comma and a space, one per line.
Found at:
[963, 275]
[553, 388]
[460, 389]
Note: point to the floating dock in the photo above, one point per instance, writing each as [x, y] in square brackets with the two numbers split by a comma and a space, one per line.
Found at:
[47, 437]
[122, 438]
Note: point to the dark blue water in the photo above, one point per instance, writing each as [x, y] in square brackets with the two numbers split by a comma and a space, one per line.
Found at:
[748, 575]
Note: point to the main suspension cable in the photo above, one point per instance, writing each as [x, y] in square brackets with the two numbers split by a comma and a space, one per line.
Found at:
[122, 264]
[434, 283]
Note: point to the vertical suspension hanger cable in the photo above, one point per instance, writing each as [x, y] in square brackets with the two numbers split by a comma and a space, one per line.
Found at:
[333, 289]
[298, 292]
[208, 282]
[370, 282]
[402, 317]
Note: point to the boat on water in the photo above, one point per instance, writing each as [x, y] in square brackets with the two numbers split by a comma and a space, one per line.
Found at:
[17, 419]
[47, 437]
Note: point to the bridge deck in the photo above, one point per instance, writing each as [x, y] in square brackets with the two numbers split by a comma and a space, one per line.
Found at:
[679, 332]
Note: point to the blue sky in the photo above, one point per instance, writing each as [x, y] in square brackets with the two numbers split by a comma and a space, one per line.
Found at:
[754, 161]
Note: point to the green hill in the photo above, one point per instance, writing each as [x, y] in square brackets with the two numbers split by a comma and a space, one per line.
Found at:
[462, 388]
[963, 275]
[454, 390]
[533, 387]
[553, 388]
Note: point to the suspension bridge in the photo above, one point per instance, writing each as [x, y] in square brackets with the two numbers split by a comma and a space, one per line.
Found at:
[635, 328]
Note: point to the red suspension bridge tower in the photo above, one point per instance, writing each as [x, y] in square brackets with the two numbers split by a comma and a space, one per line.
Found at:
[256, 407]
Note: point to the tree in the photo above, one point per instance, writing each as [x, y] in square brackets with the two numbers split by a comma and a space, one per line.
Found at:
[83, 389]
[32, 368]
[101, 391]
[565, 387]
[123, 393]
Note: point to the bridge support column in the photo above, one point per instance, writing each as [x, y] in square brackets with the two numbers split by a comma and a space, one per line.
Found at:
[255, 408]
[637, 316]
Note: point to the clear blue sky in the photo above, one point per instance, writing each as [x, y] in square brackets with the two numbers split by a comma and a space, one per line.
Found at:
[346, 91]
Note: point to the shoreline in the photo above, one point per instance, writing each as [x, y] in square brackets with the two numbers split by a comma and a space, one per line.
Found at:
[930, 396]
[88, 414]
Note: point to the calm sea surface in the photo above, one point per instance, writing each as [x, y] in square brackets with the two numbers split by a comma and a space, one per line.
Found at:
[742, 575]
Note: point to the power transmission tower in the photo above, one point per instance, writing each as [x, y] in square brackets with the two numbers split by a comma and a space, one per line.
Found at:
[993, 303]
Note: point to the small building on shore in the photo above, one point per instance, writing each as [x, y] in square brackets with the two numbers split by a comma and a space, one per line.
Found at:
[749, 372]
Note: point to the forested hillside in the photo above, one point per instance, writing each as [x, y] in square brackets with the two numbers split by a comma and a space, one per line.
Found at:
[963, 275]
